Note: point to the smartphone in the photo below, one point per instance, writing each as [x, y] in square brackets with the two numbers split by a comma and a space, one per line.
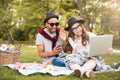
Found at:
[59, 46]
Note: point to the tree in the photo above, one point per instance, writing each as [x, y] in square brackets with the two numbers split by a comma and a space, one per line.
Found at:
[90, 10]
[25, 17]
[5, 21]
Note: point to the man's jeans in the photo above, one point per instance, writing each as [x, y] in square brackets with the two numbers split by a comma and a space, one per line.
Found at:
[58, 62]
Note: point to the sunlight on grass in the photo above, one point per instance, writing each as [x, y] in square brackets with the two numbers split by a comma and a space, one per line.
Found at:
[110, 59]
[29, 54]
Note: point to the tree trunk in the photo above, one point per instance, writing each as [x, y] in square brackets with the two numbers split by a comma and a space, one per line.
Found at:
[8, 33]
[81, 14]
[9, 36]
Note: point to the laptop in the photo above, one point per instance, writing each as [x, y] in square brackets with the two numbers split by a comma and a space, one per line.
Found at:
[100, 44]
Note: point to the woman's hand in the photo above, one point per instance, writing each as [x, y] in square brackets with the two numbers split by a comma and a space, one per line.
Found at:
[72, 43]
[74, 46]
[110, 51]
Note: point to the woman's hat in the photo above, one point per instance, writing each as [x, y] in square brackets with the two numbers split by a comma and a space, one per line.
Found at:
[73, 20]
[50, 15]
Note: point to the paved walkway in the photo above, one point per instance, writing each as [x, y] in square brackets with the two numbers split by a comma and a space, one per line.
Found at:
[31, 46]
[116, 51]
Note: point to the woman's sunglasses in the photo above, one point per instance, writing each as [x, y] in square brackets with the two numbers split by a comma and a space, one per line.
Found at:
[52, 24]
[75, 27]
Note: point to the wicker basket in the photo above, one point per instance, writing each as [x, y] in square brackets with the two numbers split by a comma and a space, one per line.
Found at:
[9, 58]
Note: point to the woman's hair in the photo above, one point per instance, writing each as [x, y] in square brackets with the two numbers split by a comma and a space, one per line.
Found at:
[85, 38]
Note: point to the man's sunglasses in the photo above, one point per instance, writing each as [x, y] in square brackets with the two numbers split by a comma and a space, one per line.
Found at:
[52, 24]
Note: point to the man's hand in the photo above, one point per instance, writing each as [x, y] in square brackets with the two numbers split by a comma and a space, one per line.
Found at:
[62, 34]
[57, 50]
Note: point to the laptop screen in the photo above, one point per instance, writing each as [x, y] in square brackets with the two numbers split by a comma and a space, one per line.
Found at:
[100, 44]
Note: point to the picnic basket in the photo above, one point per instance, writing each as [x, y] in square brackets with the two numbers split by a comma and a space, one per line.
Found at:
[10, 57]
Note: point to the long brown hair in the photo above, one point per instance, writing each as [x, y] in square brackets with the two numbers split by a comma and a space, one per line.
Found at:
[85, 38]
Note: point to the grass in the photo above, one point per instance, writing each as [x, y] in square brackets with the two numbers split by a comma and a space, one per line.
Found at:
[31, 55]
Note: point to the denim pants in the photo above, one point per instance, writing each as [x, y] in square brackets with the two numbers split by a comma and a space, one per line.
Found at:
[58, 62]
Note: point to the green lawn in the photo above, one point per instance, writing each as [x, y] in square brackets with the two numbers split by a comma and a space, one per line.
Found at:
[30, 55]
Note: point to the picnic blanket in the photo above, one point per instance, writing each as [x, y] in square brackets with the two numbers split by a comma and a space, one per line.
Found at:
[32, 68]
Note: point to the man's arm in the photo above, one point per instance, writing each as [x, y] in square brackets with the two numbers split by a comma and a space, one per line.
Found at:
[44, 54]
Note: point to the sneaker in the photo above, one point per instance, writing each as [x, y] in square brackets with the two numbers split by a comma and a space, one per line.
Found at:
[78, 73]
[90, 74]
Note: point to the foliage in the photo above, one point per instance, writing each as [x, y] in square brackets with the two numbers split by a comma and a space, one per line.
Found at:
[102, 16]
[6, 19]
[27, 16]
[20, 35]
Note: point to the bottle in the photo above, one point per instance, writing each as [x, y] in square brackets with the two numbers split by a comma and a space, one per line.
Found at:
[18, 48]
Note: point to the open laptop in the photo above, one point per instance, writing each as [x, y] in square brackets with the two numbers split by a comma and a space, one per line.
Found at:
[100, 44]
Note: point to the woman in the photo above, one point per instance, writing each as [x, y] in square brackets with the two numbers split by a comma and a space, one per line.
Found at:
[78, 45]
[79, 60]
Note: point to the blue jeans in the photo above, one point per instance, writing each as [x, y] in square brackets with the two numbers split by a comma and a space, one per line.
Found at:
[58, 62]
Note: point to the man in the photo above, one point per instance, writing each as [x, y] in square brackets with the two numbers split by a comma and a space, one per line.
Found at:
[50, 40]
